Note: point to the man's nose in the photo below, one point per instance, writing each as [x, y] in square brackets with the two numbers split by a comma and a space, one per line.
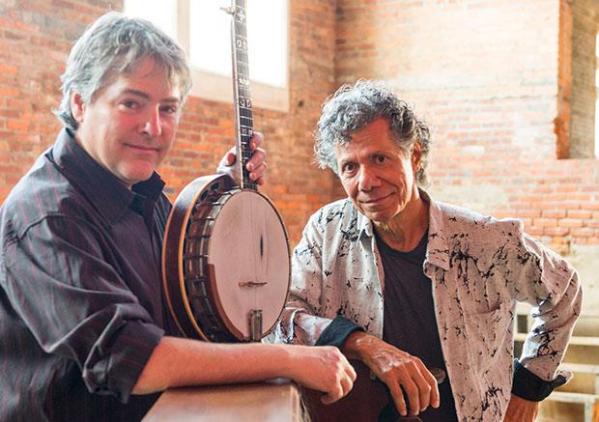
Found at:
[368, 179]
[153, 125]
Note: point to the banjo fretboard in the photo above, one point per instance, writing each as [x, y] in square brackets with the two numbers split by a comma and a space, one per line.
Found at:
[241, 90]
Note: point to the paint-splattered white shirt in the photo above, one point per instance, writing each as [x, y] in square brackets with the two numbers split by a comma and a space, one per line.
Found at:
[479, 267]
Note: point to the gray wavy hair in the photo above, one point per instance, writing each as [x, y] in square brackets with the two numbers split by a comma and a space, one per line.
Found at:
[112, 45]
[354, 106]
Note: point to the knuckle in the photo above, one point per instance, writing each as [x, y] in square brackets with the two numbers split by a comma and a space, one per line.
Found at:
[412, 364]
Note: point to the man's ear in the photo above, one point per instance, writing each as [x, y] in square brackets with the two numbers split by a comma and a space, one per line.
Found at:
[416, 156]
[77, 106]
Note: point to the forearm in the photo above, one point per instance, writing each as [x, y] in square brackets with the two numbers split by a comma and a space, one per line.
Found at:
[179, 362]
[520, 410]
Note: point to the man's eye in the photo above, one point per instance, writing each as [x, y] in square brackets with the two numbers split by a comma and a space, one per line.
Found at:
[130, 104]
[171, 109]
[348, 167]
[380, 159]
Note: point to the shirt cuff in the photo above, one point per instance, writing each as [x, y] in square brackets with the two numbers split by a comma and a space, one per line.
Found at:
[337, 332]
[528, 386]
[119, 368]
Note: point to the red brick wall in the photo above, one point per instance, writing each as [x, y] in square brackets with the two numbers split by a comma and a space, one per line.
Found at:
[34, 40]
[35, 37]
[490, 76]
[484, 74]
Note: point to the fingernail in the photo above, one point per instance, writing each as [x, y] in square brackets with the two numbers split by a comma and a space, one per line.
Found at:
[250, 167]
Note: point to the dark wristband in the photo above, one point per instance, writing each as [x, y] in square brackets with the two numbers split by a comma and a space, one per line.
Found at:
[337, 332]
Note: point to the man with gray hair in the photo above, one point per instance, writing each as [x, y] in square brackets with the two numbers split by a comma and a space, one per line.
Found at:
[406, 284]
[85, 333]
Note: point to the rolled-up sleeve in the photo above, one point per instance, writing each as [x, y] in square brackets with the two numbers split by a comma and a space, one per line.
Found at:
[76, 305]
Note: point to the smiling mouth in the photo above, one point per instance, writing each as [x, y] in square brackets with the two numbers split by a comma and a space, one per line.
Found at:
[375, 200]
[143, 148]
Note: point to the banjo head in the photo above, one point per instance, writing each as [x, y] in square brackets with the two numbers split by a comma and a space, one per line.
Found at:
[249, 262]
[225, 256]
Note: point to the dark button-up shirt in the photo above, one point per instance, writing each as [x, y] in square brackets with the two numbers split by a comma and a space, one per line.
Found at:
[80, 300]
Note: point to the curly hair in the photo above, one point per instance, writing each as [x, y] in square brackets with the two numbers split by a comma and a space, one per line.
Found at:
[353, 107]
[115, 44]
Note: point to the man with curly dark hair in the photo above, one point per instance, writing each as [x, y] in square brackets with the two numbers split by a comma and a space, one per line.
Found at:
[405, 283]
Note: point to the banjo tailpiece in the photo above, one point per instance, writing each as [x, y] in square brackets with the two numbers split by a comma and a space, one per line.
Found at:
[225, 258]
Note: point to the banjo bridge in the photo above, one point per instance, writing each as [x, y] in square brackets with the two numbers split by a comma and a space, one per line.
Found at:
[252, 283]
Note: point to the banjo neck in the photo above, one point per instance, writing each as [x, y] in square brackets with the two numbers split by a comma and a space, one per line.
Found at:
[241, 90]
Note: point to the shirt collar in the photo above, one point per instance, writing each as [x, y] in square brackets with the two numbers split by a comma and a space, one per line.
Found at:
[437, 251]
[365, 226]
[103, 189]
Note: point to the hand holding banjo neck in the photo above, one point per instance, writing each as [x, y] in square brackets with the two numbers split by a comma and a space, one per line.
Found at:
[225, 258]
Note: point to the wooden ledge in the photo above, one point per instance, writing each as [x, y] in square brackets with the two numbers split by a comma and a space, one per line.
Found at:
[269, 401]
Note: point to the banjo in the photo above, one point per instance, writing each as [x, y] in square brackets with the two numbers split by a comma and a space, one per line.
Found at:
[225, 257]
